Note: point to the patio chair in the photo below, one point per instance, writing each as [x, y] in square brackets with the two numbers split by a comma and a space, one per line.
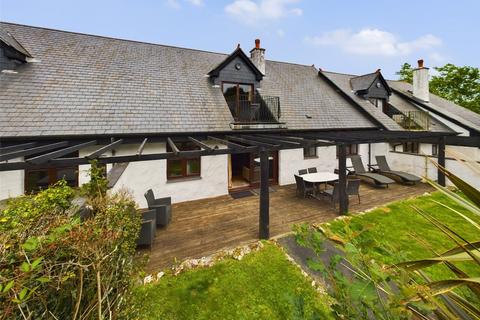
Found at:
[312, 170]
[147, 228]
[378, 179]
[333, 193]
[304, 188]
[353, 188]
[404, 177]
[163, 207]
[302, 171]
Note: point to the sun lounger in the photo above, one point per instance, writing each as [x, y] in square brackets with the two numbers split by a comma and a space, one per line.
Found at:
[378, 179]
[384, 168]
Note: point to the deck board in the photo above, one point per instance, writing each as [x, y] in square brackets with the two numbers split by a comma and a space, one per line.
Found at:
[202, 227]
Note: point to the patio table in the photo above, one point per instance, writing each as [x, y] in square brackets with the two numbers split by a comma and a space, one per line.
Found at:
[320, 177]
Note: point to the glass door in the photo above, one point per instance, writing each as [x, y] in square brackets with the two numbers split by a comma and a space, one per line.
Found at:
[272, 168]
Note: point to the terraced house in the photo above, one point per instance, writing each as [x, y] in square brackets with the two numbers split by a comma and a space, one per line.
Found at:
[66, 98]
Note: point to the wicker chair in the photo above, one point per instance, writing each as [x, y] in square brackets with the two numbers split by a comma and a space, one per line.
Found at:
[163, 207]
[312, 170]
[304, 188]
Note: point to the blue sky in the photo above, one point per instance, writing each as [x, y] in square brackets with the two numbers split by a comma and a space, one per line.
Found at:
[345, 36]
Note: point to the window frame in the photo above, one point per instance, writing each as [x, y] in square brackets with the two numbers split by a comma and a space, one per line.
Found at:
[52, 173]
[349, 149]
[306, 154]
[184, 164]
[411, 147]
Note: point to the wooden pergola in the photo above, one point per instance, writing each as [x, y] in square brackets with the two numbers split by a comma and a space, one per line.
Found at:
[49, 152]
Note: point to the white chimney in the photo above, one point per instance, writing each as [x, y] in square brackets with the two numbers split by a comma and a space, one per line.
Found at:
[257, 55]
[420, 82]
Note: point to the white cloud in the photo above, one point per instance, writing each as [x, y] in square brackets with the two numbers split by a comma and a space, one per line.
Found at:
[197, 3]
[373, 42]
[258, 11]
[280, 33]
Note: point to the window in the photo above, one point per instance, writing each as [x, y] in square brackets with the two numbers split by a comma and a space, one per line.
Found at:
[38, 179]
[352, 149]
[185, 167]
[310, 152]
[239, 98]
[434, 149]
[41, 178]
[411, 147]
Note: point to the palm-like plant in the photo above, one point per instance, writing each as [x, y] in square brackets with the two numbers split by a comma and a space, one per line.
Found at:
[441, 293]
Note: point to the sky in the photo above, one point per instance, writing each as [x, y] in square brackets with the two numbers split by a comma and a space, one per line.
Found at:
[349, 36]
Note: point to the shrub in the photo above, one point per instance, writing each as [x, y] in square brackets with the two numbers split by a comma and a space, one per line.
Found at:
[53, 265]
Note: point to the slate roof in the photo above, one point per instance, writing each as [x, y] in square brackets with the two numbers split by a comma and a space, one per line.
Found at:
[10, 41]
[342, 81]
[363, 82]
[396, 100]
[84, 84]
[445, 107]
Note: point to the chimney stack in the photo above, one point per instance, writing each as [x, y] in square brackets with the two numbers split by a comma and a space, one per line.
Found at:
[257, 55]
[420, 82]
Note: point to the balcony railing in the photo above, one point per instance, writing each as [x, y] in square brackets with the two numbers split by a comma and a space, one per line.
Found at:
[410, 120]
[253, 108]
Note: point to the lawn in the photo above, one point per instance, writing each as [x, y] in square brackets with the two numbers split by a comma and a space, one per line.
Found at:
[263, 285]
[398, 233]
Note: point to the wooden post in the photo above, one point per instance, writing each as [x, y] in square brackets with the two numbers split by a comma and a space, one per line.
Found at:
[342, 181]
[441, 161]
[264, 232]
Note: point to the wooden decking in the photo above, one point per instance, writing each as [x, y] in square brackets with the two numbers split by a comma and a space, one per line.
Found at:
[205, 226]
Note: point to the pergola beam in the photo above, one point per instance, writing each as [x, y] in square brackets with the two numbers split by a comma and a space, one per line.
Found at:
[173, 146]
[285, 144]
[200, 144]
[142, 146]
[27, 152]
[253, 143]
[55, 154]
[17, 147]
[227, 143]
[97, 153]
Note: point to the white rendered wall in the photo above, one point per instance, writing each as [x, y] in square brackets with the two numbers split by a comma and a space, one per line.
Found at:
[421, 166]
[141, 176]
[290, 161]
[12, 182]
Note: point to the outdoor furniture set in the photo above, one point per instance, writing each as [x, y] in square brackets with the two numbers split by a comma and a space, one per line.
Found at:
[158, 214]
[308, 181]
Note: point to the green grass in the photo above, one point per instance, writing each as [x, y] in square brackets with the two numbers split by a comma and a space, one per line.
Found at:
[391, 233]
[264, 285]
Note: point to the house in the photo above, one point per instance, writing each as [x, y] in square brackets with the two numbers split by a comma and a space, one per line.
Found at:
[57, 86]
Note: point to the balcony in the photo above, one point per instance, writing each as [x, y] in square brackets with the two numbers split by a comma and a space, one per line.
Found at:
[253, 111]
[409, 120]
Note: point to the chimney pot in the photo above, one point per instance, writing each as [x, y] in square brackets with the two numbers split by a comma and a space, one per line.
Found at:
[257, 43]
[420, 63]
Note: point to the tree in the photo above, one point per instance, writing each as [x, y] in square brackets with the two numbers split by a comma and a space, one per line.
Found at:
[406, 73]
[460, 85]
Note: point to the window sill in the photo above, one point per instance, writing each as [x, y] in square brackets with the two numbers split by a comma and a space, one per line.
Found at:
[308, 158]
[174, 180]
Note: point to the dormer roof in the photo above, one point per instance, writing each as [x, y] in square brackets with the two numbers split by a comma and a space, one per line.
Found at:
[17, 51]
[361, 84]
[237, 53]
